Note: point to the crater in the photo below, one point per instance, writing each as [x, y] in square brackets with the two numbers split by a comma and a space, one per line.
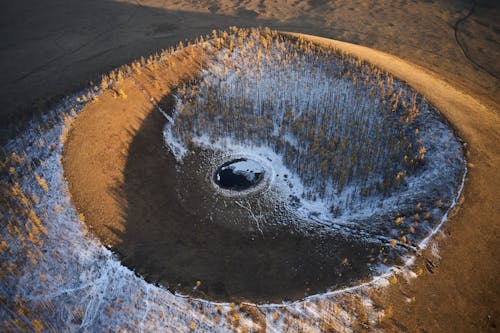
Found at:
[293, 172]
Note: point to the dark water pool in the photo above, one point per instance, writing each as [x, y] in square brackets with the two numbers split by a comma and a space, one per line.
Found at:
[239, 174]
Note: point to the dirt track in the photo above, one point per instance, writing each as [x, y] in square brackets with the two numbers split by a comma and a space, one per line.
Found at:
[73, 42]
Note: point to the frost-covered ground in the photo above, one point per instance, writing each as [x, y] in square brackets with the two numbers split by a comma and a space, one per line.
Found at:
[57, 277]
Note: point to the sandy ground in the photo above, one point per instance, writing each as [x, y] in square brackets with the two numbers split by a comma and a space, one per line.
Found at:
[54, 47]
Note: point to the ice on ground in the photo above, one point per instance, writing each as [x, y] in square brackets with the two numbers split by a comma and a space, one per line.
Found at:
[247, 168]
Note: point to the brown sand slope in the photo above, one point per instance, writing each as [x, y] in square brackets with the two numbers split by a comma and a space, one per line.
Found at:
[459, 293]
[98, 145]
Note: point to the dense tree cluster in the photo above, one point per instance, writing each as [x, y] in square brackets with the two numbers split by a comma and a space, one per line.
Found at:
[337, 121]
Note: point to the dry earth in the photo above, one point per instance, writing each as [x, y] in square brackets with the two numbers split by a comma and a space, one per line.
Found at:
[54, 47]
